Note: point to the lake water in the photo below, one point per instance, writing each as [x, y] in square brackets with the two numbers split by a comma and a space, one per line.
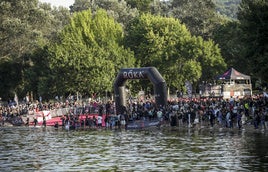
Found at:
[48, 149]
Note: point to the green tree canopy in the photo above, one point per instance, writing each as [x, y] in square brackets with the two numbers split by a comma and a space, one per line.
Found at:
[141, 5]
[253, 16]
[228, 37]
[89, 54]
[167, 44]
[227, 8]
[25, 26]
[199, 16]
[118, 9]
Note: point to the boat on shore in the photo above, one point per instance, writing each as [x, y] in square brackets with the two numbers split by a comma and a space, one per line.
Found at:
[13, 121]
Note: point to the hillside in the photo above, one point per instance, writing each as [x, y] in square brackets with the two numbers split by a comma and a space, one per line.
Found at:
[227, 7]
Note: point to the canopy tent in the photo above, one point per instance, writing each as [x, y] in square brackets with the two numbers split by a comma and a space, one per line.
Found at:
[232, 74]
[234, 83]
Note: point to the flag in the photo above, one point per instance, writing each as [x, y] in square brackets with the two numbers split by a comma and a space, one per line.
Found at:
[188, 86]
[16, 99]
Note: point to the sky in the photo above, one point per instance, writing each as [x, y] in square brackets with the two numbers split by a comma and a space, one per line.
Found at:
[65, 3]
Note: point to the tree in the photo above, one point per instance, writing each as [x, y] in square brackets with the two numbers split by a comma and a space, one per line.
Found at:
[10, 78]
[81, 5]
[253, 16]
[89, 54]
[159, 7]
[199, 16]
[228, 36]
[141, 5]
[118, 9]
[25, 27]
[167, 44]
[227, 8]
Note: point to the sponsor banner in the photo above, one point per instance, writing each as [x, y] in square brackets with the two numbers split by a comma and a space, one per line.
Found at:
[39, 115]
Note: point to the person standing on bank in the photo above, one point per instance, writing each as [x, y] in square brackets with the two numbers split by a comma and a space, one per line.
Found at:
[44, 121]
[99, 120]
[27, 121]
[35, 121]
[239, 119]
[211, 117]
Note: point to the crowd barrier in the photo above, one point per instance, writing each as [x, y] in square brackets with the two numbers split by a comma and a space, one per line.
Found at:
[48, 114]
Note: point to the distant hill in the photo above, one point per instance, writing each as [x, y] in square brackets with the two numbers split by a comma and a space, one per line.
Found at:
[227, 7]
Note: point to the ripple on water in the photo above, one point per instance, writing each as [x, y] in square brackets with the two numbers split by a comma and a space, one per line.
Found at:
[34, 149]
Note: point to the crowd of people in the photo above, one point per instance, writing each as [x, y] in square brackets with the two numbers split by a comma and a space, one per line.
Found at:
[211, 112]
[229, 113]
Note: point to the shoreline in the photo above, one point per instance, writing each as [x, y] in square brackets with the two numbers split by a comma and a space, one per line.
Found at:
[248, 128]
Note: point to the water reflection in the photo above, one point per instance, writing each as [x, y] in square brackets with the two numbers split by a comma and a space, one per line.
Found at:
[47, 149]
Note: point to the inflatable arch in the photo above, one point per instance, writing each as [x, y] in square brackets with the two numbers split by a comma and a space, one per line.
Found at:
[151, 73]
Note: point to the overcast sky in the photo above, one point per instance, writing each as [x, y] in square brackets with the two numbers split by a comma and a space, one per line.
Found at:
[65, 3]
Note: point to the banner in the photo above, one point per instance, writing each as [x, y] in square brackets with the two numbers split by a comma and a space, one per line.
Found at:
[39, 115]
